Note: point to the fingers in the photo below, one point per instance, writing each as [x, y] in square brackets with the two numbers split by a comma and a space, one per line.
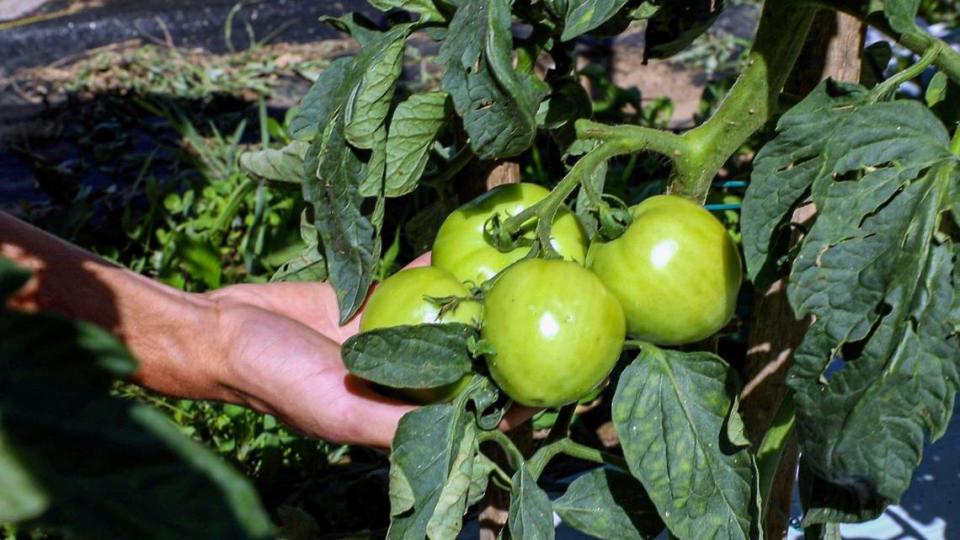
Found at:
[517, 415]
[313, 304]
[368, 418]
[422, 260]
[329, 325]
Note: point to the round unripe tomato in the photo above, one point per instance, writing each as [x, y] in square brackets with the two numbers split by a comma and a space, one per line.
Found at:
[555, 330]
[461, 247]
[675, 270]
[401, 300]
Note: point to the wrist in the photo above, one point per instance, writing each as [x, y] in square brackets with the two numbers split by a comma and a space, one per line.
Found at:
[177, 347]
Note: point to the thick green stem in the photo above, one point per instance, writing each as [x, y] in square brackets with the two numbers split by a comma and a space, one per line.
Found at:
[539, 461]
[772, 447]
[955, 145]
[948, 60]
[755, 97]
[750, 103]
[636, 138]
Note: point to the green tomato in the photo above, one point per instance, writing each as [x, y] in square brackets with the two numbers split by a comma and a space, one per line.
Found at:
[401, 300]
[461, 247]
[675, 270]
[555, 330]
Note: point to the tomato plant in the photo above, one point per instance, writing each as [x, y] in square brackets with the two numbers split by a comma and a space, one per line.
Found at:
[414, 296]
[874, 270]
[463, 246]
[848, 226]
[555, 332]
[675, 270]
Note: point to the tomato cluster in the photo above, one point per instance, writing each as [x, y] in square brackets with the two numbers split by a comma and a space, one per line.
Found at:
[555, 328]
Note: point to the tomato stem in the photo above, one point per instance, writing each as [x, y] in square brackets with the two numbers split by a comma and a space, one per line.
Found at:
[514, 456]
[542, 458]
[750, 103]
[635, 345]
[699, 154]
[561, 427]
[888, 88]
[955, 144]
[506, 483]
[637, 138]
[546, 209]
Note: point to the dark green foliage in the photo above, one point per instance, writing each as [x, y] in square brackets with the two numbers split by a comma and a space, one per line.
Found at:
[877, 270]
[76, 459]
[683, 439]
[423, 356]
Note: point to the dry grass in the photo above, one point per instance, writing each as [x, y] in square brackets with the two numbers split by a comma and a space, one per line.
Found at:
[157, 68]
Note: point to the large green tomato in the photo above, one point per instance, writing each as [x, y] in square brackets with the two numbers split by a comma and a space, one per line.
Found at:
[555, 330]
[462, 248]
[401, 300]
[675, 270]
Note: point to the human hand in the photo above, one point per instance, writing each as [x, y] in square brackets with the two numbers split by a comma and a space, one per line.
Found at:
[281, 344]
[273, 347]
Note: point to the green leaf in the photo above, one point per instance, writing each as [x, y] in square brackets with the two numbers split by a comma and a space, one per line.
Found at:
[277, 164]
[901, 14]
[936, 89]
[783, 172]
[531, 515]
[433, 448]
[677, 23]
[943, 98]
[582, 17]
[12, 278]
[568, 102]
[422, 356]
[200, 258]
[609, 504]
[447, 518]
[366, 111]
[882, 289]
[415, 125]
[322, 100]
[482, 467]
[372, 183]
[350, 239]
[93, 455]
[358, 26]
[671, 410]
[879, 367]
[309, 264]
[876, 58]
[498, 104]
[426, 9]
[21, 498]
[339, 177]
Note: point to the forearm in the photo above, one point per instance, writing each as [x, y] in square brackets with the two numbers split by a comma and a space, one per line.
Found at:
[161, 326]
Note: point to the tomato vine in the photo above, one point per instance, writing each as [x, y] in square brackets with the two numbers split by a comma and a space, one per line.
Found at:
[875, 269]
